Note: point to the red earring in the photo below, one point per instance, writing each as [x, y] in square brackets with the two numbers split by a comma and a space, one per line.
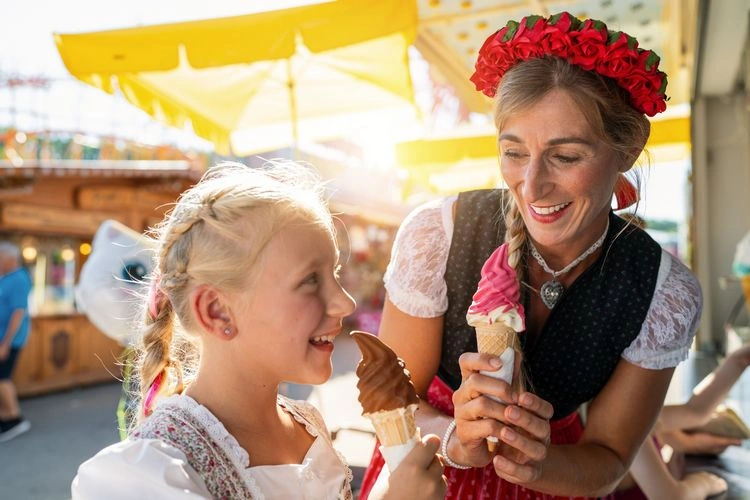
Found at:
[625, 193]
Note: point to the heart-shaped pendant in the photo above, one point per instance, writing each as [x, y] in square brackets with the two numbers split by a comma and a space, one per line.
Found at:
[551, 291]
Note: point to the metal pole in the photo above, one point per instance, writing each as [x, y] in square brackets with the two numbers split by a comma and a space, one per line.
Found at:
[292, 102]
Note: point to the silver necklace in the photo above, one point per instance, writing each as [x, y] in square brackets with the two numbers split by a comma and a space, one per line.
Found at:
[552, 290]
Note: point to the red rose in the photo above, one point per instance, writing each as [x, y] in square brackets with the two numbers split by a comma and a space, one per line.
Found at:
[485, 83]
[527, 50]
[564, 22]
[556, 43]
[648, 59]
[636, 79]
[621, 42]
[618, 60]
[650, 105]
[656, 79]
[530, 35]
[585, 54]
[590, 29]
[496, 36]
[587, 46]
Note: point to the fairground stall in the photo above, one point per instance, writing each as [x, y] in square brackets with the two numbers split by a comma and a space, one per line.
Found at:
[51, 208]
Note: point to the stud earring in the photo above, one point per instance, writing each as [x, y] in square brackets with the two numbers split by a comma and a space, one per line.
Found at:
[228, 330]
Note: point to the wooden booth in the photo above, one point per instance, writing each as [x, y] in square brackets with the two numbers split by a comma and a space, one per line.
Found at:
[52, 210]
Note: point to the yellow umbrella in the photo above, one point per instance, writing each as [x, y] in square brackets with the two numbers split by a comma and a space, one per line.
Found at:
[450, 165]
[258, 81]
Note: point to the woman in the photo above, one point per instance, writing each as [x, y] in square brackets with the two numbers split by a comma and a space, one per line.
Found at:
[608, 313]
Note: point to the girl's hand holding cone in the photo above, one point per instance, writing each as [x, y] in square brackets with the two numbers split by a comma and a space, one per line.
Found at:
[522, 426]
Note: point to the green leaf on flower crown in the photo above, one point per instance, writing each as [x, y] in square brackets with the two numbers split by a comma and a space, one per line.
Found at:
[613, 36]
[512, 28]
[531, 20]
[652, 60]
[575, 23]
[663, 86]
[632, 42]
[553, 19]
[598, 25]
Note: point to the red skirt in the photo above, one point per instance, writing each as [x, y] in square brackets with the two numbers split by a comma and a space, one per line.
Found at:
[476, 483]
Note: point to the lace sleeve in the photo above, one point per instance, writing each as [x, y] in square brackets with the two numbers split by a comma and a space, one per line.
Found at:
[415, 279]
[672, 319]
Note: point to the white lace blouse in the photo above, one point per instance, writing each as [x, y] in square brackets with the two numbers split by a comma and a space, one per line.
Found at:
[415, 284]
[150, 468]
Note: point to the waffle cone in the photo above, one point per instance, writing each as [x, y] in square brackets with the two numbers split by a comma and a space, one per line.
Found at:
[745, 280]
[395, 427]
[495, 338]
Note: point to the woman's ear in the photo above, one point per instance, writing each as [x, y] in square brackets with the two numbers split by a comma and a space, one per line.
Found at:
[211, 312]
[629, 158]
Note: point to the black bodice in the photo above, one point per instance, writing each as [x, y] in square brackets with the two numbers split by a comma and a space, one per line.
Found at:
[596, 319]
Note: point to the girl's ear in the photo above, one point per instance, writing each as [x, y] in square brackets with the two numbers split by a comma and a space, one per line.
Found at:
[211, 312]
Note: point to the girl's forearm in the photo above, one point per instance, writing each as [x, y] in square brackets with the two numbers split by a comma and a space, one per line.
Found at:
[706, 396]
[651, 473]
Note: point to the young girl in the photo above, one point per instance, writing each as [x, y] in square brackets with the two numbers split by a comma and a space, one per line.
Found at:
[245, 296]
[653, 477]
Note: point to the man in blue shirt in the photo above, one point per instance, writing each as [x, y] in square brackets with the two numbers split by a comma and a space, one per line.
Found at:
[15, 286]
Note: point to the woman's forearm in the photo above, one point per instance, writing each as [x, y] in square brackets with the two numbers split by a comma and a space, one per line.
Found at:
[580, 470]
[614, 432]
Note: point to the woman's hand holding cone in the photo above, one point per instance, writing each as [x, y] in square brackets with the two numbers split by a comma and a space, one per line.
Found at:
[522, 426]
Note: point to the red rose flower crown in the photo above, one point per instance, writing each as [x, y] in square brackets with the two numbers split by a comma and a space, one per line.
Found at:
[587, 44]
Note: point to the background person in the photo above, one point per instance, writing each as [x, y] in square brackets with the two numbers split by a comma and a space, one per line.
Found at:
[15, 286]
[675, 428]
[608, 312]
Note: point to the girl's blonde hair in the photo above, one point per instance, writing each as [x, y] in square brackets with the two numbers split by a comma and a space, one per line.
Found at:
[603, 103]
[214, 236]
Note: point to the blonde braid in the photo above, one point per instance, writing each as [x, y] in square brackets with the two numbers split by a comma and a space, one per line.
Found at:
[159, 332]
[515, 236]
[155, 350]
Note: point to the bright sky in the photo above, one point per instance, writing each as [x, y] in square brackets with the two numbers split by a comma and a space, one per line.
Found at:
[27, 47]
[26, 37]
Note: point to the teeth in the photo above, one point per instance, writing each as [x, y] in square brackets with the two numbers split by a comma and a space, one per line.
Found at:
[549, 210]
[324, 338]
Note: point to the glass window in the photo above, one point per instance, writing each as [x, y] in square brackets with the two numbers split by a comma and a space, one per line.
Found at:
[52, 263]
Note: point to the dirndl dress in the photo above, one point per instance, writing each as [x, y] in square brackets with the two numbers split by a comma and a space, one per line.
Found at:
[480, 483]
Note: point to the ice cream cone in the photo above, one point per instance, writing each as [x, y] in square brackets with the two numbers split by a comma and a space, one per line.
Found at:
[495, 339]
[395, 427]
[388, 398]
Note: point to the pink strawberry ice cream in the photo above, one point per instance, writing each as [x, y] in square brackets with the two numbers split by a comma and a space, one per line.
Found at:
[497, 295]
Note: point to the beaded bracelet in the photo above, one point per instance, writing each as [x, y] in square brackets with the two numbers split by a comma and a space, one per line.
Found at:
[444, 448]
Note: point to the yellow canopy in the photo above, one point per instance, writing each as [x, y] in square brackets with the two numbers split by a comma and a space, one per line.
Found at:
[247, 83]
[451, 165]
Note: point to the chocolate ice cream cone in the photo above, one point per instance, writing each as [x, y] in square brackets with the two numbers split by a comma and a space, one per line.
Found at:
[388, 398]
[395, 427]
